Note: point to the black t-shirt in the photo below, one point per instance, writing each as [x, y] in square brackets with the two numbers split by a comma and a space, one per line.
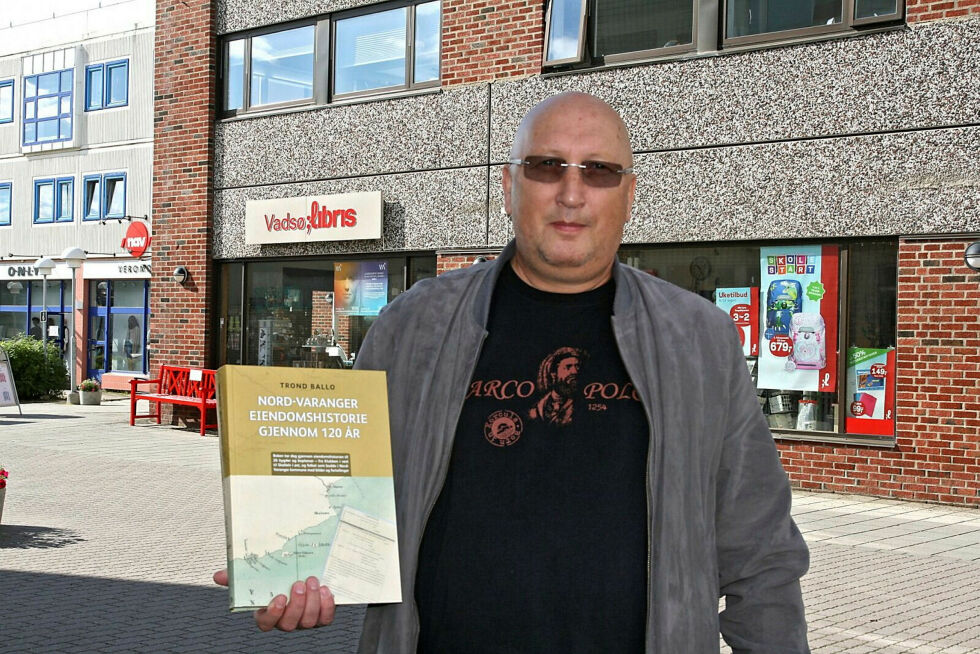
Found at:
[538, 541]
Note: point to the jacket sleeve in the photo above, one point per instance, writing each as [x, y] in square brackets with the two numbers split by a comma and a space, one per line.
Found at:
[761, 553]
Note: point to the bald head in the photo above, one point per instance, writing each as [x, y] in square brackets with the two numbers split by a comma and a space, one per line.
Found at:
[574, 103]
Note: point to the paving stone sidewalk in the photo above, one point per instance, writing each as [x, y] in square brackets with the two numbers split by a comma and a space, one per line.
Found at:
[110, 534]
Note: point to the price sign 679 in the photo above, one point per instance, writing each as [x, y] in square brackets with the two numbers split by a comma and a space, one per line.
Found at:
[781, 346]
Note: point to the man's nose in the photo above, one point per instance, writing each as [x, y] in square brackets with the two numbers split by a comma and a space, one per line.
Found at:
[571, 191]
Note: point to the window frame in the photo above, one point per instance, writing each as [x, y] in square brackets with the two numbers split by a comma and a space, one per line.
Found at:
[247, 37]
[9, 188]
[13, 98]
[70, 94]
[105, 100]
[57, 207]
[85, 181]
[106, 177]
[410, 25]
[102, 180]
[847, 25]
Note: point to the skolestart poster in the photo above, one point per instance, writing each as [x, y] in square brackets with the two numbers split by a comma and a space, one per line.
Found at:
[798, 302]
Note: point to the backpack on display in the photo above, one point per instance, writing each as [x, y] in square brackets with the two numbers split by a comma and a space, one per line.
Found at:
[784, 299]
[809, 335]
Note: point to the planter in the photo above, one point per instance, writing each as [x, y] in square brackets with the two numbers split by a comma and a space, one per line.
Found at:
[90, 397]
[3, 493]
[73, 397]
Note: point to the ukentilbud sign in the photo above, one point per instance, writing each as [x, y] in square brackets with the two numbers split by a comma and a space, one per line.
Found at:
[346, 217]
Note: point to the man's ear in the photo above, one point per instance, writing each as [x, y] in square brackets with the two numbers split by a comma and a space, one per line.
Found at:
[506, 182]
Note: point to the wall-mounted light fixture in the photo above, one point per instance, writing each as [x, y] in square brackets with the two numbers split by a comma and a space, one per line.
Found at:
[180, 274]
[972, 255]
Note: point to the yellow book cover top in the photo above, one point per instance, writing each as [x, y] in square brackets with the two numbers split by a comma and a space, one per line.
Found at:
[306, 467]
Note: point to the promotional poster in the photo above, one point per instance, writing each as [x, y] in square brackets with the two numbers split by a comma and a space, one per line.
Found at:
[742, 304]
[798, 298]
[871, 391]
[360, 287]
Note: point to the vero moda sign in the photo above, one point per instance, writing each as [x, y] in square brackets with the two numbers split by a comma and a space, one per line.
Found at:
[346, 217]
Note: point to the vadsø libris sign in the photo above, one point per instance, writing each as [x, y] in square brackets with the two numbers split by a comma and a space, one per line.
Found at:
[344, 217]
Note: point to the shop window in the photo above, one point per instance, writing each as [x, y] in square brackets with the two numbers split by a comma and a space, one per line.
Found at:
[817, 324]
[53, 200]
[6, 198]
[48, 107]
[372, 51]
[118, 321]
[269, 69]
[307, 313]
[107, 85]
[104, 196]
[6, 101]
[610, 31]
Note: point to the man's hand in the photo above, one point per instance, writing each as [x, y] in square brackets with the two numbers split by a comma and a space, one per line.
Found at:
[309, 605]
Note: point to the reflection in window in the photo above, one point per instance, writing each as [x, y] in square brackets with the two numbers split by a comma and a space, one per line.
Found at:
[47, 107]
[6, 101]
[282, 66]
[871, 8]
[637, 25]
[6, 191]
[92, 209]
[750, 17]
[427, 35]
[115, 195]
[565, 25]
[234, 75]
[370, 51]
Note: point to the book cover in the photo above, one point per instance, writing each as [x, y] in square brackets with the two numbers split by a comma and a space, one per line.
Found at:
[306, 468]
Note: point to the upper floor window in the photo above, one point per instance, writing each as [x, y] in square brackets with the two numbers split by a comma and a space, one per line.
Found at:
[107, 85]
[53, 200]
[396, 48]
[104, 196]
[748, 21]
[6, 193]
[585, 33]
[271, 68]
[386, 50]
[6, 101]
[48, 107]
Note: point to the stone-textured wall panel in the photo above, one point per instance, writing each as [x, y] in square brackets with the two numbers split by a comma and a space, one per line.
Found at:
[422, 211]
[236, 15]
[925, 76]
[917, 182]
[438, 130]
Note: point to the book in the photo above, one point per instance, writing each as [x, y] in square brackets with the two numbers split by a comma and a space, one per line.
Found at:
[307, 480]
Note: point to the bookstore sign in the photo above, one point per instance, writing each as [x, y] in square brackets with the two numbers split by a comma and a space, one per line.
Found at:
[345, 217]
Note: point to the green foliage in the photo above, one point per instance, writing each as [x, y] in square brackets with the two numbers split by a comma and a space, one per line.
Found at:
[34, 379]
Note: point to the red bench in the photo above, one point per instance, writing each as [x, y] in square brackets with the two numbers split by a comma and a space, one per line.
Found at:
[176, 385]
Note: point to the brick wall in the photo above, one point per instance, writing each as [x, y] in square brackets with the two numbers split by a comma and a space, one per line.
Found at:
[447, 262]
[937, 455]
[483, 40]
[183, 137]
[922, 10]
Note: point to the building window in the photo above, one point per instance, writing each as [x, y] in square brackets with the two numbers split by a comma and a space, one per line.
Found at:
[53, 200]
[610, 31]
[374, 51]
[817, 323]
[104, 196]
[107, 85]
[48, 107]
[118, 321]
[268, 69]
[6, 196]
[7, 101]
[750, 21]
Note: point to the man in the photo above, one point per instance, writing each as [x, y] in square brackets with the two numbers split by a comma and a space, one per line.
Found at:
[36, 331]
[617, 529]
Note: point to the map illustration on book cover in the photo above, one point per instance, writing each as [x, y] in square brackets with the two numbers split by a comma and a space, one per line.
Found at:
[306, 468]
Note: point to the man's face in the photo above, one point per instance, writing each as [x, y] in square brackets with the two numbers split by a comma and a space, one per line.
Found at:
[568, 231]
[566, 376]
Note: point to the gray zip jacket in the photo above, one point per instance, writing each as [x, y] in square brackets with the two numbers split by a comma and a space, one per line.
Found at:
[717, 497]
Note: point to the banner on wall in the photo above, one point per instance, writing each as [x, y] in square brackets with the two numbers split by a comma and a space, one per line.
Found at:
[742, 304]
[360, 287]
[871, 391]
[798, 303]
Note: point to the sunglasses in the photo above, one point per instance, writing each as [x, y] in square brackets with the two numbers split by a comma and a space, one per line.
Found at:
[603, 174]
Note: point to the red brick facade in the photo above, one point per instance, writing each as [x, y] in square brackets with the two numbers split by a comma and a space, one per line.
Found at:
[922, 10]
[184, 101]
[483, 40]
[937, 455]
[455, 261]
